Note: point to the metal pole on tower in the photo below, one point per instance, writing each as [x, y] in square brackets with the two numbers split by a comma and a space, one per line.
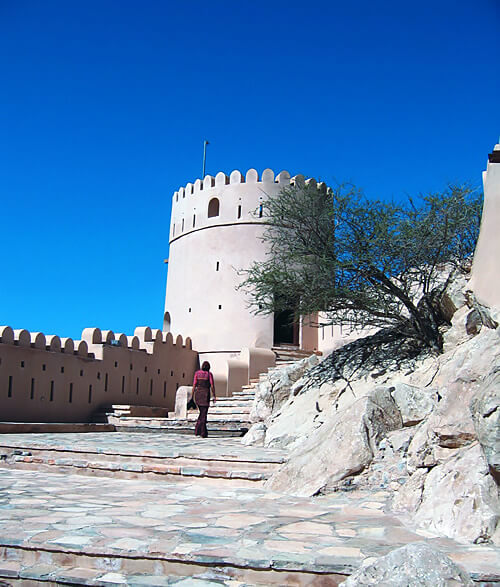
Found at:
[205, 143]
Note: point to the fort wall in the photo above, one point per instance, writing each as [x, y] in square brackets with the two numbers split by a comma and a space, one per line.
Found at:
[45, 378]
[485, 279]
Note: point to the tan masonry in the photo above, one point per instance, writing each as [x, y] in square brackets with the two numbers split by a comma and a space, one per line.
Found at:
[49, 379]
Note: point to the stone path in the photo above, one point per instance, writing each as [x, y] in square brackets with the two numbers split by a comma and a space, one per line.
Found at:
[72, 529]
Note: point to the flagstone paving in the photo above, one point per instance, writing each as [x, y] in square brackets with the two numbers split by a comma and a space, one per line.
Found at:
[145, 444]
[108, 531]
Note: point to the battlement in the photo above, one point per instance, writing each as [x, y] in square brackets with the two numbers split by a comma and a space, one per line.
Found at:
[143, 339]
[236, 177]
[223, 199]
[47, 378]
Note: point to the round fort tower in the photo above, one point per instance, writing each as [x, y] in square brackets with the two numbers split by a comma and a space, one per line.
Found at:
[215, 230]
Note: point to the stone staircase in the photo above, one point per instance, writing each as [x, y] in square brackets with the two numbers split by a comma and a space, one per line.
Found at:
[229, 416]
[287, 353]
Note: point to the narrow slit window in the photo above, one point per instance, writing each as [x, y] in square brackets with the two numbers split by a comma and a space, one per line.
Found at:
[22, 364]
[194, 220]
[173, 229]
[123, 384]
[164, 389]
[137, 387]
[106, 382]
[90, 394]
[239, 211]
[182, 228]
[9, 391]
[261, 210]
[150, 387]
[70, 396]
[217, 266]
[51, 396]
[32, 391]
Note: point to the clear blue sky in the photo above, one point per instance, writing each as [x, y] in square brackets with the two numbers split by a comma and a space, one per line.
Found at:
[104, 106]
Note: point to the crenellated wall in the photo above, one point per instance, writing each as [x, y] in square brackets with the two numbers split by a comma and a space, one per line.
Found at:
[44, 378]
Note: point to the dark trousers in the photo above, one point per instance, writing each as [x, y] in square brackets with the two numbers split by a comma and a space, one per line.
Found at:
[201, 424]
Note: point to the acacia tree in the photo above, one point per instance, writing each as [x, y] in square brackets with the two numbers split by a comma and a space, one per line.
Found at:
[369, 262]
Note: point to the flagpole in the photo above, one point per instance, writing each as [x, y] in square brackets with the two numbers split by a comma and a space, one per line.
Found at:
[205, 143]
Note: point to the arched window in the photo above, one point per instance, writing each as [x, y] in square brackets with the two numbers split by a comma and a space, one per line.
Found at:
[166, 322]
[213, 208]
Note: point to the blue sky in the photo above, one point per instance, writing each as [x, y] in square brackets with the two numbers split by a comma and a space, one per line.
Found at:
[104, 106]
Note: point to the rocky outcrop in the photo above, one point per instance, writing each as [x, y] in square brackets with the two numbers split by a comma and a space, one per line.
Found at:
[413, 564]
[485, 409]
[342, 446]
[429, 432]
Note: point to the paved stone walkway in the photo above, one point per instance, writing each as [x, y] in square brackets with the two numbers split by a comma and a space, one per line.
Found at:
[111, 531]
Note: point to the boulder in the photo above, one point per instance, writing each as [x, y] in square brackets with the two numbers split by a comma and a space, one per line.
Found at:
[485, 409]
[298, 417]
[272, 393]
[255, 435]
[414, 564]
[457, 498]
[414, 403]
[342, 446]
[454, 297]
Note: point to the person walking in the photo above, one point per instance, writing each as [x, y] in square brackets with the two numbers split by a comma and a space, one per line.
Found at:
[203, 383]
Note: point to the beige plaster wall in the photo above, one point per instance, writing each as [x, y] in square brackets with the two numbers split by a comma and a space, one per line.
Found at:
[485, 279]
[48, 379]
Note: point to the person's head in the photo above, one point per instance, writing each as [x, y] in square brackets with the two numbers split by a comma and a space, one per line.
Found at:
[205, 366]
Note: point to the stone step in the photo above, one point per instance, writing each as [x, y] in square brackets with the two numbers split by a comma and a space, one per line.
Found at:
[229, 409]
[231, 401]
[134, 466]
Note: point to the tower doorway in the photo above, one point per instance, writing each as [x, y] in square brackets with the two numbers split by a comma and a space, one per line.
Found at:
[286, 329]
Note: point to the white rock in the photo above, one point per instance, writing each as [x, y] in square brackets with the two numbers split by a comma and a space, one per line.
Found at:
[342, 446]
[255, 435]
[457, 498]
[413, 564]
[485, 409]
[414, 403]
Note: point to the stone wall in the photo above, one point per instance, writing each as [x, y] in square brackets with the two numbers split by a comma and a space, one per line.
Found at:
[51, 379]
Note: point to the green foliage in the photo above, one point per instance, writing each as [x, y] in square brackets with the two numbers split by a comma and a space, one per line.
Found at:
[367, 262]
